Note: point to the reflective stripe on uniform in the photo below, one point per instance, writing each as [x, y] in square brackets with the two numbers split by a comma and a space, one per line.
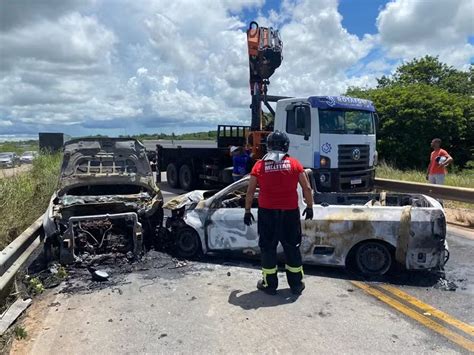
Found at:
[269, 271]
[266, 272]
[294, 270]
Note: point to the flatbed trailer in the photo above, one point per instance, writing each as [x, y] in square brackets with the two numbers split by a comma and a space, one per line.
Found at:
[190, 167]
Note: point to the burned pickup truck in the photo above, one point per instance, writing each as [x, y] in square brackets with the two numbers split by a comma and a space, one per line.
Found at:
[371, 231]
[106, 201]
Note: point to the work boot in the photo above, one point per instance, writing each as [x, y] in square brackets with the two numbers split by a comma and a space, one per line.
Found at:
[297, 290]
[266, 289]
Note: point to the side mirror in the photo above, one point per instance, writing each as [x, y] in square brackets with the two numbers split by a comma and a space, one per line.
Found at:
[377, 121]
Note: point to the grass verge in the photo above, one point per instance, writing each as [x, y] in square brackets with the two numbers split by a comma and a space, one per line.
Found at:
[24, 197]
[463, 178]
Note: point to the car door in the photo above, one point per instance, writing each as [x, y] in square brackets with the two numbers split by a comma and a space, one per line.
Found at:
[298, 129]
[225, 228]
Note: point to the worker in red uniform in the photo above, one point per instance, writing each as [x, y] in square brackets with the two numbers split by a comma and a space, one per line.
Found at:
[277, 176]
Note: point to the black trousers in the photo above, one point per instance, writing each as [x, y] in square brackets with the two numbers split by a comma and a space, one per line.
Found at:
[280, 226]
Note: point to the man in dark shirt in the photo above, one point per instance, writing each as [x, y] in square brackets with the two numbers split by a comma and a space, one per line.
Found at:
[277, 176]
[240, 160]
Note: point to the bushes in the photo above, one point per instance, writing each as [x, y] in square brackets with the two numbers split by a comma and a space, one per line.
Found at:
[423, 100]
[411, 116]
[24, 197]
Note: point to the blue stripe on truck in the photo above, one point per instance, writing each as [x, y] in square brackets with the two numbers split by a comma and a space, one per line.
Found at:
[317, 159]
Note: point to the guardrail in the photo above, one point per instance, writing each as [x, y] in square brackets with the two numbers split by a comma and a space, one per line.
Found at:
[461, 194]
[14, 256]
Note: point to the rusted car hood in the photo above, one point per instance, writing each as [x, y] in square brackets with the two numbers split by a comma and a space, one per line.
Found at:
[104, 161]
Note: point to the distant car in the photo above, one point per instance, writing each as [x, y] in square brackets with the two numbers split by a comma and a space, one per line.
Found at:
[370, 231]
[9, 160]
[28, 157]
[106, 202]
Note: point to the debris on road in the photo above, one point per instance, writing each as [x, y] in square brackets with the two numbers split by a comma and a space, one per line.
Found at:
[178, 264]
[445, 285]
[12, 313]
[98, 275]
[109, 270]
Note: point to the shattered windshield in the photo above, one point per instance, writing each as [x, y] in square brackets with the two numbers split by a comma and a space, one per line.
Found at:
[346, 122]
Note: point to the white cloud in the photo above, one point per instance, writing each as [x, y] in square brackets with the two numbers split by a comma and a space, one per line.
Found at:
[6, 123]
[437, 27]
[317, 50]
[108, 65]
[17, 13]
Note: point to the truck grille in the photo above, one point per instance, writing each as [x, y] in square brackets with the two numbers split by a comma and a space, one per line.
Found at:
[353, 157]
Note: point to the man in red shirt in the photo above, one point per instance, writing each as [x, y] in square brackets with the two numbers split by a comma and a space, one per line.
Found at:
[439, 160]
[277, 176]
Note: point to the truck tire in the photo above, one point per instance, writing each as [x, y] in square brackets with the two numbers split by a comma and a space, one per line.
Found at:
[188, 243]
[187, 178]
[373, 258]
[172, 175]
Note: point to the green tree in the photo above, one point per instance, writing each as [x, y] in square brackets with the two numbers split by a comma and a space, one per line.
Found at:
[412, 115]
[422, 100]
[430, 71]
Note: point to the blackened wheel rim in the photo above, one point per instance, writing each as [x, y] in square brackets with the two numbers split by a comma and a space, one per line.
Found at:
[186, 178]
[172, 175]
[373, 258]
[188, 243]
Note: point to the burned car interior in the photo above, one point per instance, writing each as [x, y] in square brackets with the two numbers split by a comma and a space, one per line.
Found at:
[235, 198]
[106, 201]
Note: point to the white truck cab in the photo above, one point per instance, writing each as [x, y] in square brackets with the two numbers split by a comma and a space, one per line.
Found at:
[334, 136]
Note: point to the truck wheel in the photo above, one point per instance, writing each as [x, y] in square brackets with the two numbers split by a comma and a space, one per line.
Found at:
[187, 179]
[188, 243]
[373, 258]
[172, 175]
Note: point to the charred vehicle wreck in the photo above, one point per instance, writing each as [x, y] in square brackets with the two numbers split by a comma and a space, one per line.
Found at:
[106, 201]
[371, 231]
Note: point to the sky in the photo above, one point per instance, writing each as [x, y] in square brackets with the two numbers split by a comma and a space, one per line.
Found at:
[120, 67]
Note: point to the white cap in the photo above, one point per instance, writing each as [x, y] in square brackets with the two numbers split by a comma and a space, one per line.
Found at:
[233, 148]
[274, 155]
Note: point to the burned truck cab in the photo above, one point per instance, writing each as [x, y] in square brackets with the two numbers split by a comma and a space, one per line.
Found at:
[106, 200]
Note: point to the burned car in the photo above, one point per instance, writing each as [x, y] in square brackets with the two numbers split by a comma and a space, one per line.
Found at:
[106, 201]
[371, 231]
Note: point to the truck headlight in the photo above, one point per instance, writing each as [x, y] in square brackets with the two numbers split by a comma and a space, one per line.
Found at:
[324, 162]
[376, 158]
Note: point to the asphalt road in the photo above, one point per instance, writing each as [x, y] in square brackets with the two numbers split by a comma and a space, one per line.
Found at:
[212, 306]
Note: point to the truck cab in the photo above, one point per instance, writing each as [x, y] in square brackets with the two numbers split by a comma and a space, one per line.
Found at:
[334, 136]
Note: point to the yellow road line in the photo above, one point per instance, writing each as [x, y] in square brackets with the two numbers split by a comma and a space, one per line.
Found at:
[467, 328]
[427, 322]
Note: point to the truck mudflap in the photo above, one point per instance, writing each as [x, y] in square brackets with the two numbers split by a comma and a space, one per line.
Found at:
[103, 233]
[422, 245]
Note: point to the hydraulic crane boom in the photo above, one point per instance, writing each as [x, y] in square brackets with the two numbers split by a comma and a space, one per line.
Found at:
[265, 56]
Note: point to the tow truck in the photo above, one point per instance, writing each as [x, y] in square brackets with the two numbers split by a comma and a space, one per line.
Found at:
[332, 135]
